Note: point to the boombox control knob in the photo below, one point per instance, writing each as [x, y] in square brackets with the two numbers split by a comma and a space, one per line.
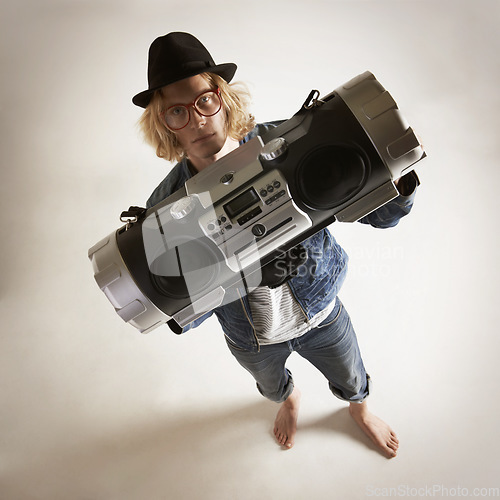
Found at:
[274, 149]
[259, 230]
[182, 207]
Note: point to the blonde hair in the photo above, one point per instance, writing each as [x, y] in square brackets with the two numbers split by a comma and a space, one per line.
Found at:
[235, 103]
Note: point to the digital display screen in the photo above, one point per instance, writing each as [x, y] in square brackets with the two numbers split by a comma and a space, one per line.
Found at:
[241, 203]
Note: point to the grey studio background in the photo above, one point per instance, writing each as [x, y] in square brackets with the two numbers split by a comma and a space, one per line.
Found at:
[92, 410]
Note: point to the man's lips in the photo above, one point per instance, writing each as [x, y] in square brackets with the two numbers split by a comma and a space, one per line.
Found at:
[203, 138]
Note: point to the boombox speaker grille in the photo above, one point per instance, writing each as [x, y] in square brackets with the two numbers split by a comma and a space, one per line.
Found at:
[331, 175]
[185, 270]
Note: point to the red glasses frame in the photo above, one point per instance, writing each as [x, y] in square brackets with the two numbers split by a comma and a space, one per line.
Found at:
[192, 105]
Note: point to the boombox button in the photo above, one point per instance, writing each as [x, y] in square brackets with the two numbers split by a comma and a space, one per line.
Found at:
[259, 230]
[275, 197]
[263, 192]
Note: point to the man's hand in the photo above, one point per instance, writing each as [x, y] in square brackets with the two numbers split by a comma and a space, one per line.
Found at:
[407, 184]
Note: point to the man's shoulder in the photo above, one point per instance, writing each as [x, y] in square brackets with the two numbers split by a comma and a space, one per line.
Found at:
[174, 180]
[261, 129]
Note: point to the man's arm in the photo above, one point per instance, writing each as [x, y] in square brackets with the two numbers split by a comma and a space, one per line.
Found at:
[390, 214]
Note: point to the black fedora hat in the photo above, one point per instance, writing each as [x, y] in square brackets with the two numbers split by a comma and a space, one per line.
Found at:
[176, 56]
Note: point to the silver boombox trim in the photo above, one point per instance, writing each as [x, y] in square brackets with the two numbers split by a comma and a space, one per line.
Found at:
[203, 246]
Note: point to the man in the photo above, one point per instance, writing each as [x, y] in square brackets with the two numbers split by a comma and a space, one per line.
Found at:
[193, 116]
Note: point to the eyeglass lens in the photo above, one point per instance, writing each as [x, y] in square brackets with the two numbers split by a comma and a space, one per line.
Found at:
[207, 104]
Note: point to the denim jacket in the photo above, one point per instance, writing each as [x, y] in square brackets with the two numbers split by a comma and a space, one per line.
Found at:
[320, 278]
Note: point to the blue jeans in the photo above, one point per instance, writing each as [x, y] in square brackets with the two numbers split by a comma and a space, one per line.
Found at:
[331, 347]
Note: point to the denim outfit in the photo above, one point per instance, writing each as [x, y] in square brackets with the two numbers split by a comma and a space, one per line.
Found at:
[332, 346]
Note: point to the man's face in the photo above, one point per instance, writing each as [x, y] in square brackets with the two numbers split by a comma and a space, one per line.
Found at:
[204, 136]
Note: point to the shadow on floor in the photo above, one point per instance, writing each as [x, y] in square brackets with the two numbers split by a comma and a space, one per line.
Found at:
[340, 422]
[162, 458]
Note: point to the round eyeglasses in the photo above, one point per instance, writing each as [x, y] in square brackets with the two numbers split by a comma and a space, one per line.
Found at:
[208, 103]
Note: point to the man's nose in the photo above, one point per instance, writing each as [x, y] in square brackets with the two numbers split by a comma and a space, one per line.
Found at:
[195, 117]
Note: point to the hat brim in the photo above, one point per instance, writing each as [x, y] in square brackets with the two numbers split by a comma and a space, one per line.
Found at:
[226, 71]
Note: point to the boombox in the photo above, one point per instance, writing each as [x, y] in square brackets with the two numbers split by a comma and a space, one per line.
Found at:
[336, 159]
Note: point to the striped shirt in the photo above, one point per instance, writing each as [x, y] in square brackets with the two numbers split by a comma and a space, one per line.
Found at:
[277, 316]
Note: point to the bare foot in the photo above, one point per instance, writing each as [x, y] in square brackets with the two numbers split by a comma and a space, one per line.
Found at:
[377, 430]
[285, 425]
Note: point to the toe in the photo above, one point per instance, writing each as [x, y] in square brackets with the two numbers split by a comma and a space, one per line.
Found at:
[390, 451]
[394, 443]
[280, 438]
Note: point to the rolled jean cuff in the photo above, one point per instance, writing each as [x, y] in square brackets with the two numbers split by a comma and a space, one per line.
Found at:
[356, 398]
[286, 390]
